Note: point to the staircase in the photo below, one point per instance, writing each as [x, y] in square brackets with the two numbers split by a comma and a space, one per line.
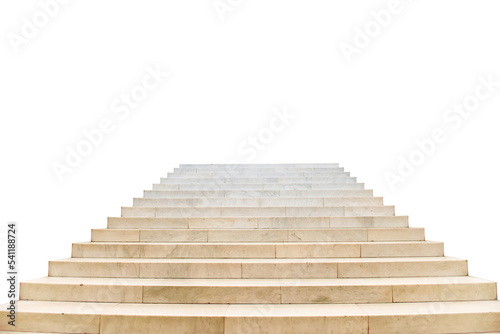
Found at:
[282, 248]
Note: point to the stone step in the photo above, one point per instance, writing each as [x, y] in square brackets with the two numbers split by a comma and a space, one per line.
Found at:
[257, 166]
[259, 268]
[269, 235]
[214, 212]
[261, 170]
[259, 291]
[260, 181]
[305, 222]
[250, 186]
[267, 250]
[376, 318]
[257, 193]
[252, 175]
[258, 202]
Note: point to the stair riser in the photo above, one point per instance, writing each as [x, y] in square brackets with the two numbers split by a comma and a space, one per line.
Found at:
[292, 194]
[260, 319]
[258, 223]
[258, 270]
[41, 322]
[256, 251]
[341, 294]
[259, 170]
[258, 166]
[229, 236]
[258, 181]
[258, 211]
[248, 186]
[258, 202]
[243, 175]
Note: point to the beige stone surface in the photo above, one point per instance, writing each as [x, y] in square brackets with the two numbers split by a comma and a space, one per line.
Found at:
[257, 250]
[402, 249]
[297, 325]
[403, 267]
[370, 221]
[395, 234]
[324, 193]
[115, 235]
[105, 292]
[452, 317]
[337, 294]
[173, 235]
[174, 250]
[95, 268]
[147, 223]
[223, 223]
[245, 248]
[275, 291]
[191, 270]
[248, 236]
[356, 211]
[253, 234]
[289, 270]
[353, 201]
[317, 250]
[294, 223]
[255, 291]
[213, 294]
[452, 289]
[449, 317]
[327, 235]
[119, 324]
[259, 268]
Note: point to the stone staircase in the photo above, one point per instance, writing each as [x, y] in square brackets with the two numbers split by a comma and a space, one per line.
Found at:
[283, 248]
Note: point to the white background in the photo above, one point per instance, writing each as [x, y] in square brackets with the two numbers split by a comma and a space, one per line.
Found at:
[225, 78]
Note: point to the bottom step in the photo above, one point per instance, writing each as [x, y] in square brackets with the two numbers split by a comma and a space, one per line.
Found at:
[106, 318]
[259, 291]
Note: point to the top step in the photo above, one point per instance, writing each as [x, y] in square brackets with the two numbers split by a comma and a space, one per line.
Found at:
[231, 170]
[188, 173]
[255, 166]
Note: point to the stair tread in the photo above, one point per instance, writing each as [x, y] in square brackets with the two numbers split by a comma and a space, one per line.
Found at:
[266, 230]
[235, 282]
[254, 207]
[273, 260]
[268, 217]
[232, 244]
[276, 310]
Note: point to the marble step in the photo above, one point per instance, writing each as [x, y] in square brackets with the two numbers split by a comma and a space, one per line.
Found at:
[305, 222]
[376, 318]
[259, 268]
[269, 235]
[255, 250]
[260, 181]
[258, 202]
[250, 186]
[259, 291]
[251, 175]
[257, 166]
[261, 170]
[258, 193]
[214, 212]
